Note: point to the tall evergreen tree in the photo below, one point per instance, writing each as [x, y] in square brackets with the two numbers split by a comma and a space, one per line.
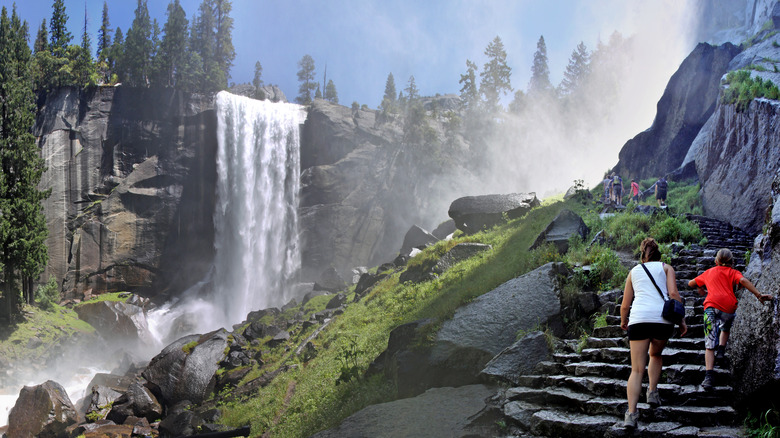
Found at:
[171, 57]
[576, 71]
[469, 92]
[389, 103]
[257, 81]
[540, 72]
[224, 52]
[41, 39]
[60, 37]
[306, 78]
[331, 95]
[23, 232]
[318, 93]
[104, 35]
[203, 42]
[495, 74]
[412, 93]
[116, 55]
[138, 47]
[86, 41]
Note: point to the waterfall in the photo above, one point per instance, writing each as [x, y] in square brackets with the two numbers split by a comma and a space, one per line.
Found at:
[255, 219]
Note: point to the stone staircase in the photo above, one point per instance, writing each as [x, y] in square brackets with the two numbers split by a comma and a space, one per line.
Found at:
[584, 394]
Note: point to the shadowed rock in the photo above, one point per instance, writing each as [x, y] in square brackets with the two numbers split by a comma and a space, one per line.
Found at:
[418, 238]
[566, 225]
[43, 411]
[519, 358]
[476, 213]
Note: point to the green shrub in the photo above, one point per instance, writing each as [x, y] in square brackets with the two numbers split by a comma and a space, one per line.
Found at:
[673, 229]
[742, 89]
[46, 295]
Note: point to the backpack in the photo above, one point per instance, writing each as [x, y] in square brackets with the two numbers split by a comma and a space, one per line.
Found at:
[661, 184]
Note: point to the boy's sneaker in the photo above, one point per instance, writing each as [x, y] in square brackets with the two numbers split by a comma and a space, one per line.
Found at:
[707, 383]
[653, 399]
[630, 420]
[720, 354]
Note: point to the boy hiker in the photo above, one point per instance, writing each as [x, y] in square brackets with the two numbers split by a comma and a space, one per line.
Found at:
[617, 188]
[607, 188]
[634, 191]
[720, 306]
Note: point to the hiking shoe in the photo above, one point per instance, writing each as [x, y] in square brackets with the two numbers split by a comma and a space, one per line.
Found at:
[653, 399]
[707, 383]
[630, 420]
[720, 353]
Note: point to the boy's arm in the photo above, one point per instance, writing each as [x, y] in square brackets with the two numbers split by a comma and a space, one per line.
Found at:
[699, 289]
[744, 282]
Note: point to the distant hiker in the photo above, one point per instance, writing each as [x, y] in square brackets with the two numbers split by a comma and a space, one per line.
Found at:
[607, 190]
[720, 307]
[660, 192]
[648, 332]
[617, 188]
[634, 191]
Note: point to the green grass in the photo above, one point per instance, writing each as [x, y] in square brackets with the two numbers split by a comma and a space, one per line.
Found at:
[742, 89]
[50, 326]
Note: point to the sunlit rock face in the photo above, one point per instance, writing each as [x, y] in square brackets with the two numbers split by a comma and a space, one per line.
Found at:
[132, 174]
[688, 101]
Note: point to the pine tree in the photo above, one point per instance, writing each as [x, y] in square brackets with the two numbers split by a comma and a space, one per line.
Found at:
[115, 56]
[138, 47]
[41, 39]
[576, 71]
[540, 72]
[224, 52]
[104, 36]
[469, 93]
[331, 95]
[60, 37]
[318, 93]
[389, 103]
[412, 93]
[171, 57]
[23, 232]
[495, 75]
[257, 81]
[306, 78]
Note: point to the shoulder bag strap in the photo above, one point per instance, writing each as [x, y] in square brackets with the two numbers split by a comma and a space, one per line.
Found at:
[653, 280]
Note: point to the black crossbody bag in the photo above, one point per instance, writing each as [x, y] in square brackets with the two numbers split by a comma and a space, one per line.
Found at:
[674, 310]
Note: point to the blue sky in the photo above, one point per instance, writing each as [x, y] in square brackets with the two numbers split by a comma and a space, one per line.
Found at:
[361, 41]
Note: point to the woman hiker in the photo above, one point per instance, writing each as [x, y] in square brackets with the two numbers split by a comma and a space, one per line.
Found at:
[720, 307]
[648, 332]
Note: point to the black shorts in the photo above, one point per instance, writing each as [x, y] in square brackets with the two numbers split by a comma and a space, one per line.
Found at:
[650, 330]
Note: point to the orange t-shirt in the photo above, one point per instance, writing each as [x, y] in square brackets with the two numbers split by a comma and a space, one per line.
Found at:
[720, 282]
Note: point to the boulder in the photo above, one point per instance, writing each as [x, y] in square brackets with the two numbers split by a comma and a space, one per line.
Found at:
[337, 301]
[43, 411]
[116, 320]
[356, 273]
[139, 402]
[476, 213]
[487, 325]
[418, 238]
[185, 369]
[366, 282]
[444, 230]
[99, 401]
[404, 362]
[566, 225]
[688, 101]
[439, 412]
[330, 280]
[519, 358]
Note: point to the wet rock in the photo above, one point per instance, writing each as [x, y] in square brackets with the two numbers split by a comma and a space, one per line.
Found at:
[337, 301]
[418, 238]
[476, 213]
[330, 280]
[185, 369]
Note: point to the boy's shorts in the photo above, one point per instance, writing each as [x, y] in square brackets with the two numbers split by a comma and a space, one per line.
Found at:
[715, 321]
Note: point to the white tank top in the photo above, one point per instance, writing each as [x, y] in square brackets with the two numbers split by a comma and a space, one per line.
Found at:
[648, 304]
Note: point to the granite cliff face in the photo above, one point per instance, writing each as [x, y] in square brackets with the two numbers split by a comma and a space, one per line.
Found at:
[688, 101]
[132, 176]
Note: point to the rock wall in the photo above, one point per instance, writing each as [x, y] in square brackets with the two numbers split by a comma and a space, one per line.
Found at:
[688, 101]
[132, 175]
[736, 159]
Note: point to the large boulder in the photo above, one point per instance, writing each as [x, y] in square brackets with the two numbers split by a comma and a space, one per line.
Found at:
[330, 280]
[117, 320]
[487, 325]
[138, 402]
[688, 101]
[185, 369]
[476, 213]
[42, 411]
[439, 412]
[404, 362]
[416, 238]
[566, 225]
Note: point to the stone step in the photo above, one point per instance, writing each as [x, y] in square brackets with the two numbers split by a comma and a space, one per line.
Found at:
[680, 374]
[672, 394]
[572, 401]
[685, 343]
[695, 329]
[551, 422]
[621, 355]
[691, 317]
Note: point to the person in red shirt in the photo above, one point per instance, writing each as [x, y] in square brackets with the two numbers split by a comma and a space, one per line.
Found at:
[720, 307]
[634, 191]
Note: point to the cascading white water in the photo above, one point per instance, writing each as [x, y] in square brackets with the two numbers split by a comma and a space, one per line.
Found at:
[255, 219]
